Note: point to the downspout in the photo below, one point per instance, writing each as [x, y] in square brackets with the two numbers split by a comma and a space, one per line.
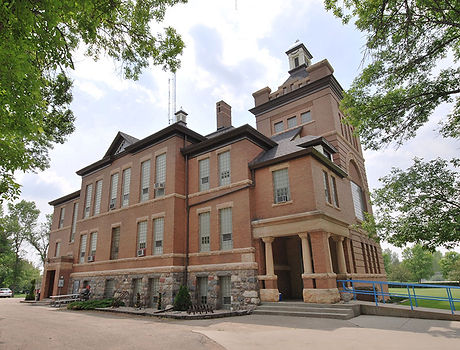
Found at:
[187, 220]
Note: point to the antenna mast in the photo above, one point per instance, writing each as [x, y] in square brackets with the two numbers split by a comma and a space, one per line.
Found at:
[169, 100]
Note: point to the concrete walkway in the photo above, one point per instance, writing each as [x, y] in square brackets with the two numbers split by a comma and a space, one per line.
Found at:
[25, 327]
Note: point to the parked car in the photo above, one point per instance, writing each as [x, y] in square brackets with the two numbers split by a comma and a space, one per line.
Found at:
[6, 293]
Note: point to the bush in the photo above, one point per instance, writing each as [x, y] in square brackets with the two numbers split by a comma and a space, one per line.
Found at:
[182, 300]
[90, 304]
[31, 294]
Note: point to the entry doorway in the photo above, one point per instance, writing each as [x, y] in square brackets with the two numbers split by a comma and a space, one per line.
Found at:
[50, 279]
[287, 258]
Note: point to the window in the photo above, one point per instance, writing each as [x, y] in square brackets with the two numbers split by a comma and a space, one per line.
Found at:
[61, 217]
[154, 291]
[335, 196]
[160, 175]
[113, 191]
[97, 200]
[327, 191]
[82, 249]
[279, 127]
[93, 244]
[305, 117]
[358, 200]
[137, 289]
[109, 289]
[141, 237]
[327, 154]
[145, 176]
[57, 250]
[74, 222]
[225, 290]
[225, 218]
[115, 243]
[89, 193]
[158, 230]
[281, 186]
[292, 122]
[203, 166]
[126, 184]
[224, 168]
[296, 61]
[204, 222]
[202, 290]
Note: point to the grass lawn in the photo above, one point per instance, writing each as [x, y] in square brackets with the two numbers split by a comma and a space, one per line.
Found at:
[20, 296]
[435, 292]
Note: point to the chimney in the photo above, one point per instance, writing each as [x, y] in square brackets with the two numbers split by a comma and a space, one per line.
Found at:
[181, 116]
[224, 115]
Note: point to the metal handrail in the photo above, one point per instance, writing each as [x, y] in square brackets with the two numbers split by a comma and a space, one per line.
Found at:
[378, 291]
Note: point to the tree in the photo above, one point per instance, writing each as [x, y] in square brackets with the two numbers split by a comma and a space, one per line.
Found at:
[38, 40]
[18, 224]
[390, 260]
[403, 83]
[40, 239]
[418, 261]
[454, 274]
[448, 262]
[419, 205]
[400, 273]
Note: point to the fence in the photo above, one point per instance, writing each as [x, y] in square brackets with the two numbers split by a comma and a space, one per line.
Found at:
[378, 291]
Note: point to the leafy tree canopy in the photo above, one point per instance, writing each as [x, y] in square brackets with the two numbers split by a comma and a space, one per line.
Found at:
[419, 205]
[448, 262]
[37, 42]
[418, 261]
[403, 83]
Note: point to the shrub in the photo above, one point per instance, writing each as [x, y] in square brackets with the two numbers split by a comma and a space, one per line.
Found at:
[182, 300]
[31, 294]
[90, 304]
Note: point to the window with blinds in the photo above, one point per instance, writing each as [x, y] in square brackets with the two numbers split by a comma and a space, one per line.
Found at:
[145, 180]
[224, 168]
[225, 219]
[74, 222]
[126, 185]
[327, 191]
[225, 290]
[158, 231]
[154, 291]
[358, 200]
[278, 127]
[61, 217]
[57, 249]
[204, 223]
[305, 117]
[141, 236]
[89, 193]
[292, 122]
[109, 289]
[81, 259]
[93, 244]
[97, 200]
[115, 243]
[160, 175]
[281, 186]
[202, 290]
[203, 166]
[113, 191]
[335, 196]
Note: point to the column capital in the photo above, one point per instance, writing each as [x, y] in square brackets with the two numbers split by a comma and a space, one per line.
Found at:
[303, 235]
[268, 239]
[338, 238]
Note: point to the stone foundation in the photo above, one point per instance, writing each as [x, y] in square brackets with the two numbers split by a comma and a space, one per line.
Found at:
[269, 295]
[321, 296]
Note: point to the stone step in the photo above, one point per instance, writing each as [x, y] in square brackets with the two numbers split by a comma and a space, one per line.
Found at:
[336, 315]
[304, 309]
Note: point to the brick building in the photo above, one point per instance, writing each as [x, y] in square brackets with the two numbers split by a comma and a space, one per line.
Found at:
[241, 214]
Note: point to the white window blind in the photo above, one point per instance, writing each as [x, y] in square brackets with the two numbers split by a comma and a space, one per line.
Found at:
[225, 218]
[305, 117]
[113, 191]
[204, 174]
[225, 286]
[58, 249]
[281, 186]
[115, 243]
[358, 201]
[158, 230]
[160, 175]
[89, 193]
[292, 122]
[74, 222]
[145, 175]
[204, 222]
[279, 127]
[82, 249]
[203, 290]
[327, 191]
[97, 200]
[93, 243]
[61, 217]
[126, 185]
[224, 168]
[141, 235]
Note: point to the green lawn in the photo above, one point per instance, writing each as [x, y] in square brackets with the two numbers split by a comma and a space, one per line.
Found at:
[20, 296]
[435, 292]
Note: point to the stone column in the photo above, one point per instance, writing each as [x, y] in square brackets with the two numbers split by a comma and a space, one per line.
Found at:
[269, 267]
[340, 255]
[307, 265]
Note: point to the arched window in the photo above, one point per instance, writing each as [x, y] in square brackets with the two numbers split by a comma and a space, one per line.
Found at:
[359, 200]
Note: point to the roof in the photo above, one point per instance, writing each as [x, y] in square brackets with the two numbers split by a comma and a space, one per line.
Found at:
[117, 141]
[66, 198]
[220, 131]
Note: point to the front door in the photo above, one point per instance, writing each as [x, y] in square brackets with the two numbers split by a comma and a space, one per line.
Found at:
[49, 290]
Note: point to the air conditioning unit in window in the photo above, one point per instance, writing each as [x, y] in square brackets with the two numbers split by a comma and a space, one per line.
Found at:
[159, 185]
[112, 204]
[90, 258]
[141, 252]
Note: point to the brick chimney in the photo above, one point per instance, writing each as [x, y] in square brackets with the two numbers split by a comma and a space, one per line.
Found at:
[224, 115]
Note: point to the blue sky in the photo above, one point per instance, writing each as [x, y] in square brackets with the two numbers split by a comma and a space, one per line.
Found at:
[231, 51]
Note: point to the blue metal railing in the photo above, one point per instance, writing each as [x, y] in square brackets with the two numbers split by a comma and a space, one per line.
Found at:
[378, 291]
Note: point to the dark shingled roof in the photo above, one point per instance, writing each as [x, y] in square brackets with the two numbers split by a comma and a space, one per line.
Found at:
[219, 132]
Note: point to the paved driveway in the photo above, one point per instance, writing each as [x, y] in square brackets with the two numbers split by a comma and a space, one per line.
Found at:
[36, 327]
